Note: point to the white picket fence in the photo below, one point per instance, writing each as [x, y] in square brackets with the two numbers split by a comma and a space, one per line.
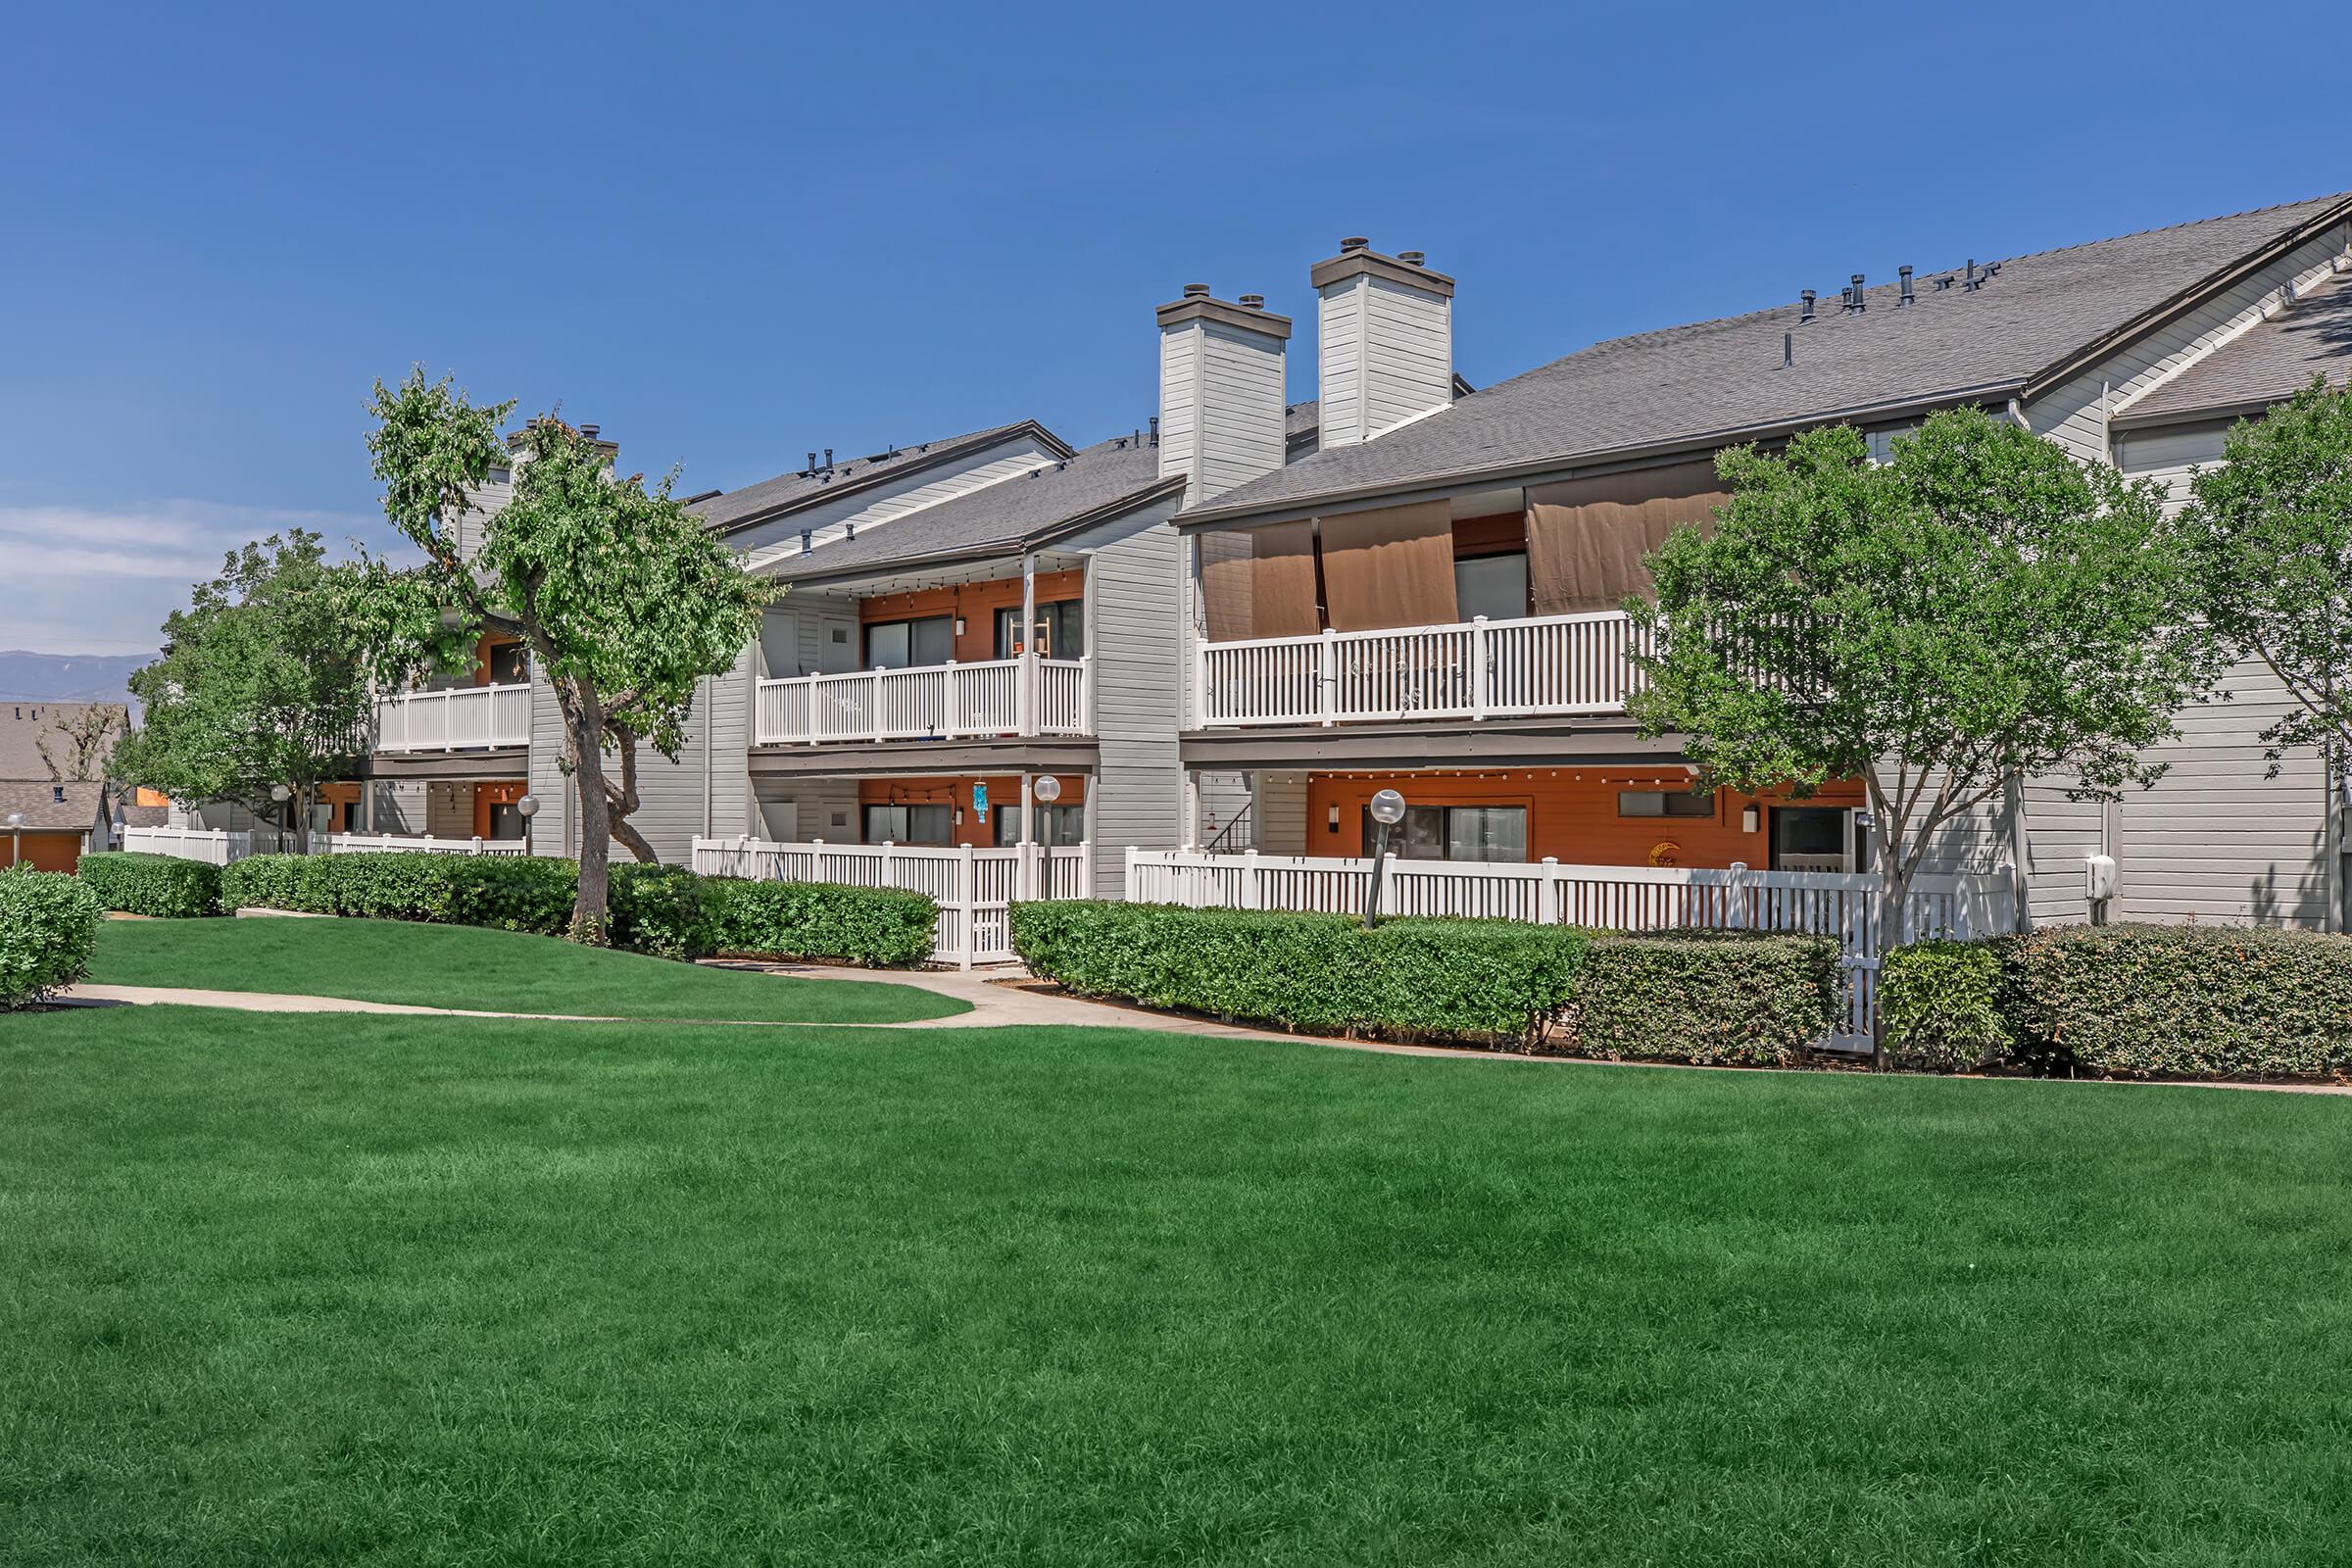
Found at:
[222, 845]
[398, 842]
[211, 846]
[455, 719]
[1845, 904]
[972, 886]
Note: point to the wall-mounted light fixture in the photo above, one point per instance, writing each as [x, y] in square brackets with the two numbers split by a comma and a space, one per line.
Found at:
[1750, 818]
[958, 626]
[1330, 817]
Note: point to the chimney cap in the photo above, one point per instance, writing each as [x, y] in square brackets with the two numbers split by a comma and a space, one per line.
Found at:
[1412, 257]
[1355, 242]
[1201, 307]
[1196, 291]
[1253, 301]
[1355, 260]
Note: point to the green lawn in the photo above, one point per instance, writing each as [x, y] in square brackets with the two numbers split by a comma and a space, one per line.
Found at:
[464, 966]
[286, 1290]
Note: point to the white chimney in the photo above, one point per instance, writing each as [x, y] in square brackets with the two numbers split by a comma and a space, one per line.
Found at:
[1385, 334]
[1220, 391]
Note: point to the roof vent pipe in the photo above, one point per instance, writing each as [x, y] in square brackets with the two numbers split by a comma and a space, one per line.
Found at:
[828, 459]
[808, 543]
[1904, 301]
[1857, 306]
[1156, 429]
[1787, 350]
[1805, 298]
[811, 468]
[1970, 283]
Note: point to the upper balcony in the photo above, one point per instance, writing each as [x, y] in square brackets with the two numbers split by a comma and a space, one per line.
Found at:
[455, 719]
[990, 699]
[1474, 669]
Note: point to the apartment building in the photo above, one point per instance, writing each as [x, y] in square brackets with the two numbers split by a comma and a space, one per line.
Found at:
[1429, 601]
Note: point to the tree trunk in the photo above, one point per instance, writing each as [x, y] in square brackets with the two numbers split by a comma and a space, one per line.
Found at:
[625, 797]
[628, 835]
[583, 738]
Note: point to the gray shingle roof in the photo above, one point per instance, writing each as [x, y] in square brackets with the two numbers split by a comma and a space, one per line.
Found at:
[788, 492]
[1723, 379]
[1098, 480]
[42, 809]
[2268, 364]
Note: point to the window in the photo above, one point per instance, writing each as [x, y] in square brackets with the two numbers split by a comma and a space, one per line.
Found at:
[1060, 630]
[1490, 833]
[505, 823]
[510, 666]
[910, 824]
[1061, 826]
[1664, 802]
[909, 644]
[1809, 838]
[1492, 586]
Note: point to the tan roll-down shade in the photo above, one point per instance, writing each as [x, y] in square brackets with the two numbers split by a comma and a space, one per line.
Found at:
[1390, 566]
[1261, 583]
[1586, 538]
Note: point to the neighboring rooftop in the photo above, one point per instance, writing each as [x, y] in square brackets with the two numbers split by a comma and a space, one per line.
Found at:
[45, 811]
[2268, 364]
[1723, 379]
[731, 509]
[23, 725]
[1099, 481]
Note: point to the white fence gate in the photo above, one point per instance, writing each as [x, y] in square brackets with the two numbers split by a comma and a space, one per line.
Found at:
[1613, 898]
[972, 886]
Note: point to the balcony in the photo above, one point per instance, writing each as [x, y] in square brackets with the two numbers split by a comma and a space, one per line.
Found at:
[1477, 669]
[455, 719]
[988, 699]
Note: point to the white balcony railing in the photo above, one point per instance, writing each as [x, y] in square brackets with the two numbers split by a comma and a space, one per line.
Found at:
[454, 718]
[996, 697]
[1471, 669]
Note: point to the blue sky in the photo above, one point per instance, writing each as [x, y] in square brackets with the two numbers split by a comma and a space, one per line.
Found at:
[730, 235]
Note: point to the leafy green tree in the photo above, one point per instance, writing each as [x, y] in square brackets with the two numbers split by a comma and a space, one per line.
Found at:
[2271, 532]
[624, 598]
[258, 686]
[1979, 609]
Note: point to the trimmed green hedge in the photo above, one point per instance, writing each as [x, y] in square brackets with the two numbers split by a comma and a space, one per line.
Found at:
[160, 885]
[663, 910]
[1944, 1006]
[2184, 1001]
[879, 927]
[1744, 998]
[48, 926]
[1494, 981]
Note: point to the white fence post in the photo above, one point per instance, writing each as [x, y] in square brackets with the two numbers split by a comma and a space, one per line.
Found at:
[966, 891]
[1548, 893]
[1328, 678]
[1253, 892]
[1478, 666]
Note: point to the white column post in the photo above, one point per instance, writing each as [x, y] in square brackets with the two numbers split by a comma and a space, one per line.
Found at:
[1327, 681]
[874, 696]
[1028, 645]
[1191, 808]
[1128, 886]
[1478, 666]
[949, 718]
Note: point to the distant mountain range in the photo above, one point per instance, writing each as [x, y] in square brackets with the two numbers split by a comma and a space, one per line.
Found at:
[67, 677]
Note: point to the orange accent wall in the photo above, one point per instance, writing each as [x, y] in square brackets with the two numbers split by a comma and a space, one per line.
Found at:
[148, 797]
[483, 647]
[494, 792]
[1571, 812]
[43, 851]
[343, 798]
[1003, 790]
[976, 603]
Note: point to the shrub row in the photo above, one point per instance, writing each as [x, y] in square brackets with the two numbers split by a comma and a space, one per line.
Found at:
[661, 909]
[1743, 998]
[1489, 980]
[1702, 997]
[2127, 1002]
[161, 885]
[48, 926]
[879, 927]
